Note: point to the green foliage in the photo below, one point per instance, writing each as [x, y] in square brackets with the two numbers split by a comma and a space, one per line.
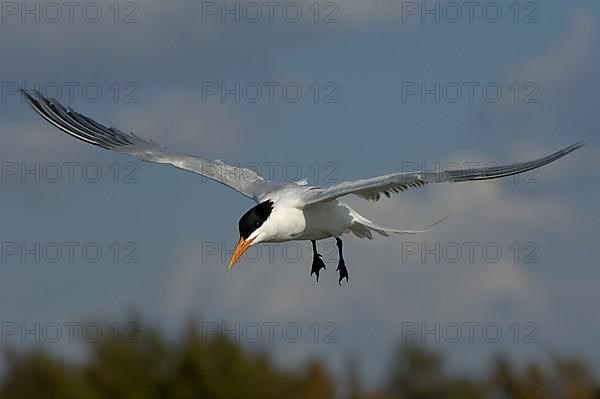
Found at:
[194, 366]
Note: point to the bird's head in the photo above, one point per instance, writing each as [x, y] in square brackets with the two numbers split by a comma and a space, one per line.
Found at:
[252, 229]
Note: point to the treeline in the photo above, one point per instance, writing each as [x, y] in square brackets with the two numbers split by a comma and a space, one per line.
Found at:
[194, 366]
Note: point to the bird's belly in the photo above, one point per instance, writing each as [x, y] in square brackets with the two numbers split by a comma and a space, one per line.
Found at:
[323, 220]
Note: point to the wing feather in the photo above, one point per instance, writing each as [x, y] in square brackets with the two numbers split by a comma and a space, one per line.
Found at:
[372, 189]
[243, 180]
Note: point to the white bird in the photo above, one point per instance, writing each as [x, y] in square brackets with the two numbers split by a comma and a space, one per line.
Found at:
[284, 212]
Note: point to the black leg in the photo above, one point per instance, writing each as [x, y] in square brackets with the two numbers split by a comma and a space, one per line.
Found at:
[342, 265]
[317, 264]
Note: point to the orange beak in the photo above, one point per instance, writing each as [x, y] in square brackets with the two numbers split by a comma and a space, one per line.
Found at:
[241, 247]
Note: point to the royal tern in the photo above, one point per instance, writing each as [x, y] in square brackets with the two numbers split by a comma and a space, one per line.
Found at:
[284, 212]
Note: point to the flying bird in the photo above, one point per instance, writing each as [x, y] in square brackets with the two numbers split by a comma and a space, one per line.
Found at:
[284, 212]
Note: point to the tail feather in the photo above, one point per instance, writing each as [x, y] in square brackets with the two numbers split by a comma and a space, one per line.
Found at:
[364, 228]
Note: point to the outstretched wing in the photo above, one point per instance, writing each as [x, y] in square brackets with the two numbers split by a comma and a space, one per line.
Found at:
[244, 180]
[372, 189]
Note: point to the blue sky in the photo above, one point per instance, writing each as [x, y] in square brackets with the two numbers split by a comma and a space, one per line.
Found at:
[152, 75]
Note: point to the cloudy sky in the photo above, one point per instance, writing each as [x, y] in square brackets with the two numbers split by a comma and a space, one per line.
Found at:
[326, 91]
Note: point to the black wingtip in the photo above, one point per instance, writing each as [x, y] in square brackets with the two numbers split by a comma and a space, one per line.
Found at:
[33, 97]
[29, 94]
[571, 148]
[578, 145]
[28, 97]
[73, 123]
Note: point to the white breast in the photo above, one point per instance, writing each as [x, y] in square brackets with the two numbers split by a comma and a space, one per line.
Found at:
[289, 220]
[285, 224]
